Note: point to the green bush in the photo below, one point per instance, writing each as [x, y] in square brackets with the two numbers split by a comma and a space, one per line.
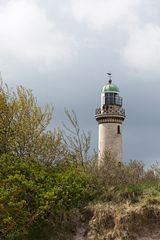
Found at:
[30, 192]
[131, 192]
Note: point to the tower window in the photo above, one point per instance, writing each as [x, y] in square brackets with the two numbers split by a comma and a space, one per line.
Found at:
[118, 129]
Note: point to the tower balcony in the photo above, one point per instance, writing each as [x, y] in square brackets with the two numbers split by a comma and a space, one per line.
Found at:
[104, 114]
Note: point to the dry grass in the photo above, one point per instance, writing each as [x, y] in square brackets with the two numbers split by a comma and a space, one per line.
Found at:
[127, 206]
[123, 222]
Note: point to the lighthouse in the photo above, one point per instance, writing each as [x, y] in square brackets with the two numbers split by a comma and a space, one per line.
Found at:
[110, 117]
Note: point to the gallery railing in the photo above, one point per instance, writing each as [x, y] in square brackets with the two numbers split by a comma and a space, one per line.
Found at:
[120, 112]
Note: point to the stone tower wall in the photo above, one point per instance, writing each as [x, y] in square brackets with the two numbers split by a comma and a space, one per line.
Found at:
[110, 139]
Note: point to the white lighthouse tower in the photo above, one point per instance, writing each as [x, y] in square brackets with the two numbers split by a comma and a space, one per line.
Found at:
[110, 117]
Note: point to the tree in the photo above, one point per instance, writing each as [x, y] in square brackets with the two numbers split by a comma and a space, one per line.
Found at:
[76, 141]
[23, 126]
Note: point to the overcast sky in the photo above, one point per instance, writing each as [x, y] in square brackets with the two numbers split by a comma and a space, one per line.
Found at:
[62, 49]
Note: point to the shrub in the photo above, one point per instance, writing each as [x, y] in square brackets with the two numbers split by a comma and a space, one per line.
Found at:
[31, 192]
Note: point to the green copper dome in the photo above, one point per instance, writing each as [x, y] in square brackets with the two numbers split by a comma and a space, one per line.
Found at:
[110, 87]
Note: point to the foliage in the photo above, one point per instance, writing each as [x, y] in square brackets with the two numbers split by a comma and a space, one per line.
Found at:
[118, 182]
[23, 126]
[30, 192]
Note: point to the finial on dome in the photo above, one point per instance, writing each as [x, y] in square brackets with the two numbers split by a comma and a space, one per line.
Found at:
[110, 77]
[110, 81]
